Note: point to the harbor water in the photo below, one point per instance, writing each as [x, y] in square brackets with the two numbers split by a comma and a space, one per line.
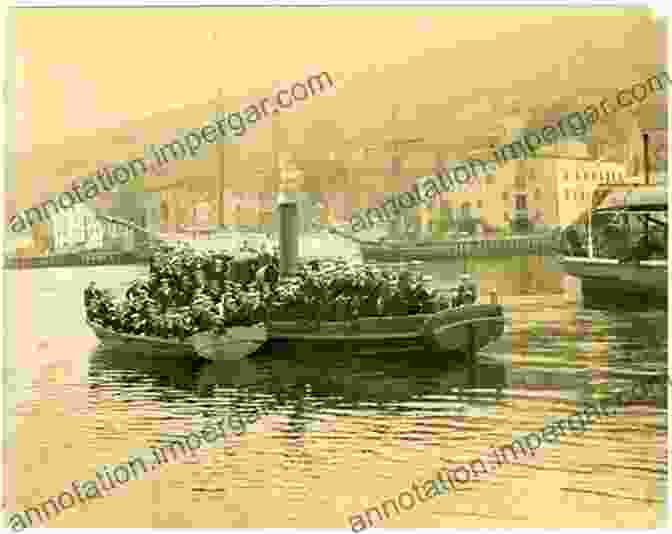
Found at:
[342, 434]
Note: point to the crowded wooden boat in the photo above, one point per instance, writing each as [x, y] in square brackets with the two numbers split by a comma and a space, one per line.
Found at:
[225, 306]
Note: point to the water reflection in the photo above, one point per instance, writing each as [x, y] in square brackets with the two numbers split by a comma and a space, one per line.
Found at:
[331, 382]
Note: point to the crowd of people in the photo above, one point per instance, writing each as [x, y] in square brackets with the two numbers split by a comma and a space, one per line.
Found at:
[341, 291]
[188, 291]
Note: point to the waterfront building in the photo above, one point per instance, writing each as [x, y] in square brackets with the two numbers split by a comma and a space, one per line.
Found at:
[75, 230]
[80, 228]
[551, 189]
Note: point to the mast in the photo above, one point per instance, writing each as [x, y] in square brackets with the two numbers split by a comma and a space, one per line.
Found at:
[220, 176]
[645, 137]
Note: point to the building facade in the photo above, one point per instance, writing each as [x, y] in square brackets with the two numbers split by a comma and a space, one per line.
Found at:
[75, 230]
[81, 228]
[551, 189]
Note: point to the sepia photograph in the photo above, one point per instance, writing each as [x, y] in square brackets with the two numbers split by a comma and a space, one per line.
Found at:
[345, 266]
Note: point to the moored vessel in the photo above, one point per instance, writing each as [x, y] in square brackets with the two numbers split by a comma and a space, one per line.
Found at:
[619, 249]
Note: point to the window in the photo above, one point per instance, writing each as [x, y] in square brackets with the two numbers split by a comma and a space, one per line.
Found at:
[531, 176]
[574, 195]
[489, 179]
[594, 176]
[566, 194]
[585, 175]
[537, 194]
[583, 196]
[565, 175]
[521, 183]
[479, 204]
[505, 196]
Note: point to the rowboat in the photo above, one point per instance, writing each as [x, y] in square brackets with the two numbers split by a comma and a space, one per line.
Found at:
[463, 329]
[236, 343]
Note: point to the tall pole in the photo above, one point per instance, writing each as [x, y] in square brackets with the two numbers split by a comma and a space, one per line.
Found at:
[646, 158]
[219, 180]
[220, 177]
[276, 157]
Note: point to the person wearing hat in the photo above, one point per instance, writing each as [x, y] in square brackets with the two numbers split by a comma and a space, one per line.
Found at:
[134, 289]
[164, 294]
[465, 294]
[184, 290]
[214, 289]
[200, 279]
[154, 321]
[95, 313]
[243, 268]
[219, 269]
[90, 293]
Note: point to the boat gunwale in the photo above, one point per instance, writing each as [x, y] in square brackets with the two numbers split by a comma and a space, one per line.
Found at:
[170, 342]
[353, 329]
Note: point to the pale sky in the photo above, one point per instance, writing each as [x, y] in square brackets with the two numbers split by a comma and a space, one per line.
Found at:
[83, 68]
